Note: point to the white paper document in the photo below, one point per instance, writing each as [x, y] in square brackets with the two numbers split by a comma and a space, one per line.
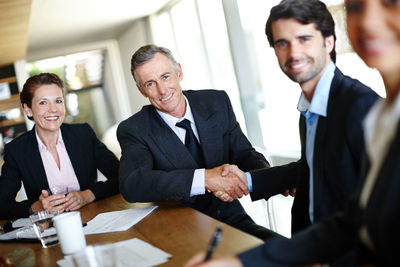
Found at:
[21, 222]
[116, 221]
[26, 232]
[106, 222]
[133, 252]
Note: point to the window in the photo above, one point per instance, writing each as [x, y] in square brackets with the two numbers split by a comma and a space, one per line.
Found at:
[279, 118]
[195, 32]
[84, 93]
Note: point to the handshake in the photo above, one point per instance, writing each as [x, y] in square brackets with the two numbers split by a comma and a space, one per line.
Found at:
[226, 182]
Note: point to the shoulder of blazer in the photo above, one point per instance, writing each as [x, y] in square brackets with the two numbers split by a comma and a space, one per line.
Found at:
[77, 132]
[140, 121]
[348, 89]
[205, 103]
[205, 96]
[20, 142]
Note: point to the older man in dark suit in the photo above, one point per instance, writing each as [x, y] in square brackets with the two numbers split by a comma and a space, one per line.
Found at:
[165, 160]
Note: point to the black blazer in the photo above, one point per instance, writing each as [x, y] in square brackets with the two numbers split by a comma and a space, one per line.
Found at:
[339, 145]
[326, 241]
[23, 163]
[156, 166]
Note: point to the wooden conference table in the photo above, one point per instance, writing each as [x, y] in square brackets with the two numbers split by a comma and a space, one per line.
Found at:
[178, 230]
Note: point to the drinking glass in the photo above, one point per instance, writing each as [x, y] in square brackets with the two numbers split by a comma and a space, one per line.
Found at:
[42, 222]
[59, 190]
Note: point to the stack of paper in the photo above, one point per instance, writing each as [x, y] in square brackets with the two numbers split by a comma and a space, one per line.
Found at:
[133, 252]
[26, 232]
[106, 222]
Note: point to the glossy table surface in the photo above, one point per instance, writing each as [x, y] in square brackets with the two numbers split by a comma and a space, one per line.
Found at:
[178, 230]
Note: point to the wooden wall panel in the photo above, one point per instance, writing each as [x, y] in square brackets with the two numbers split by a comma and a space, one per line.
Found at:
[14, 20]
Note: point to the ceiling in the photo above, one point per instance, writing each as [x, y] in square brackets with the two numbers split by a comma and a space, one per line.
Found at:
[31, 25]
[27, 26]
[14, 20]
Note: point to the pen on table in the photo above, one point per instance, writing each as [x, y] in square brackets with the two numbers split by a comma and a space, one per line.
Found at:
[217, 237]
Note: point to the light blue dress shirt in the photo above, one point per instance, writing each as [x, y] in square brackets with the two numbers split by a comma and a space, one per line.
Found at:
[312, 111]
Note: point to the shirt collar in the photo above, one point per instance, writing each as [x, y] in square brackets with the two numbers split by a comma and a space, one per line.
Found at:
[171, 120]
[319, 102]
[42, 146]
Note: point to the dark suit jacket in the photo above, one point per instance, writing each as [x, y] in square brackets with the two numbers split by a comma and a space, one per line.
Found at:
[23, 163]
[338, 147]
[156, 166]
[325, 241]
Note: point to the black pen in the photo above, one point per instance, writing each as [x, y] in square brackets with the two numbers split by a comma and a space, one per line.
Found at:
[217, 237]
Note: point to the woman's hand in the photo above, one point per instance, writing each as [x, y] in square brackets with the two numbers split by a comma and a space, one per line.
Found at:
[77, 199]
[54, 203]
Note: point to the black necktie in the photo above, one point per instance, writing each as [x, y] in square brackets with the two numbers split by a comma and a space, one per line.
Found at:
[191, 142]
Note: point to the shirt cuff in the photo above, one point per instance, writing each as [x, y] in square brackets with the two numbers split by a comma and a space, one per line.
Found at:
[198, 184]
[249, 182]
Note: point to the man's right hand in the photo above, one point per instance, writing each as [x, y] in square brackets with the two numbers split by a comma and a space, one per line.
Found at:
[227, 187]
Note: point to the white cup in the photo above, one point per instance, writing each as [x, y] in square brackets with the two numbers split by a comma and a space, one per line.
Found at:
[70, 232]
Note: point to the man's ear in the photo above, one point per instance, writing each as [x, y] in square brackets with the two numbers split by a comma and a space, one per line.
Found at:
[180, 73]
[330, 43]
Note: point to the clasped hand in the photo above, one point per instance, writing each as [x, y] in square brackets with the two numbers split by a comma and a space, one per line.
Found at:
[227, 182]
[59, 202]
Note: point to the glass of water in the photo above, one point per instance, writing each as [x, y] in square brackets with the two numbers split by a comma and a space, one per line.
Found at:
[43, 227]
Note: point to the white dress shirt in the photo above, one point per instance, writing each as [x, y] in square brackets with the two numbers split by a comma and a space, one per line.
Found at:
[198, 184]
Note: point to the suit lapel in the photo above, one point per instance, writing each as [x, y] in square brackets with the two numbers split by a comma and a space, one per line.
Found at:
[169, 143]
[74, 153]
[34, 162]
[208, 129]
[323, 122]
[175, 151]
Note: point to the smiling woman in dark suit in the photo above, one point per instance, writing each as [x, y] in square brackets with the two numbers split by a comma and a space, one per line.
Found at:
[53, 158]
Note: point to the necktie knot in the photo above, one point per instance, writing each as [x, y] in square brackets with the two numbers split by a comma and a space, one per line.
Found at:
[185, 124]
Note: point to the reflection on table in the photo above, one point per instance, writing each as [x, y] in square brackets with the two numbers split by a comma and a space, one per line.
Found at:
[172, 227]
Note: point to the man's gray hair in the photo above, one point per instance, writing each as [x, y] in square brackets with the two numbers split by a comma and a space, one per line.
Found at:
[146, 53]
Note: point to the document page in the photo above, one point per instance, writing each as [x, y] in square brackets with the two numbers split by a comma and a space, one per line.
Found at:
[133, 252]
[106, 222]
[116, 221]
[26, 232]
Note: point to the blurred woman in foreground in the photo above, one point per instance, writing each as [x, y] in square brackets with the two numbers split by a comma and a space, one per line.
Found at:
[370, 225]
[56, 162]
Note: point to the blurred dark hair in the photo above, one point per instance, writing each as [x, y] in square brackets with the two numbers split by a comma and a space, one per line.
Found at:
[34, 83]
[305, 12]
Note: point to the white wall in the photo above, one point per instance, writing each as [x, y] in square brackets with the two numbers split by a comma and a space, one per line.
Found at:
[131, 40]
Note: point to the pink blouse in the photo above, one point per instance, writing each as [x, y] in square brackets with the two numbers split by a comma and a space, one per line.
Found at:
[63, 179]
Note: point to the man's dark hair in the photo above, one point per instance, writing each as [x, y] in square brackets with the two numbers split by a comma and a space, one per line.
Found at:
[305, 12]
